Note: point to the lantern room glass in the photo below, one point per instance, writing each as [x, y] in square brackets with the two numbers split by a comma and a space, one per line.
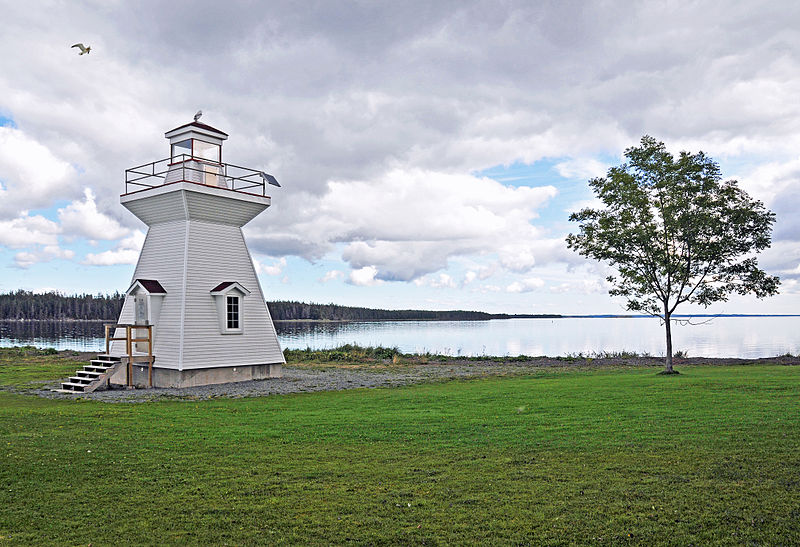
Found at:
[181, 150]
[206, 151]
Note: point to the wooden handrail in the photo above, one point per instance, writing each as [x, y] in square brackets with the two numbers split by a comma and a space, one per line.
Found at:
[129, 341]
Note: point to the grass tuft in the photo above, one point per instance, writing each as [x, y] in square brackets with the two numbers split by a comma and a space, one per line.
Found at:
[345, 353]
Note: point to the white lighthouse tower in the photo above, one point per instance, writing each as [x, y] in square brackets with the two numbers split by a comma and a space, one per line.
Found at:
[195, 288]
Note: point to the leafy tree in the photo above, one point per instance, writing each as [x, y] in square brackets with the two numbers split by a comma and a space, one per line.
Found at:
[675, 232]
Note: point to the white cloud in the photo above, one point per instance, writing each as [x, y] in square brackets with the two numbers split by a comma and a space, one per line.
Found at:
[125, 252]
[581, 168]
[790, 286]
[767, 181]
[332, 275]
[25, 231]
[275, 269]
[407, 224]
[441, 281]
[489, 288]
[364, 277]
[792, 271]
[81, 218]
[782, 258]
[583, 286]
[32, 175]
[46, 253]
[525, 285]
[561, 288]
[517, 257]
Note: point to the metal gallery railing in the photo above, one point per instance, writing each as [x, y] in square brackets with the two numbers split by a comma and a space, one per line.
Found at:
[186, 168]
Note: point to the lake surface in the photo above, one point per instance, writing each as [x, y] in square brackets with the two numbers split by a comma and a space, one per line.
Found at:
[748, 337]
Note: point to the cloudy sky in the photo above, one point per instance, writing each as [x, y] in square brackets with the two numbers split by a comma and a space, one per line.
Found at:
[429, 152]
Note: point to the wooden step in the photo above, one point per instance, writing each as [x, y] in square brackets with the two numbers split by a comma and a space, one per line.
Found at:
[73, 386]
[93, 376]
[80, 380]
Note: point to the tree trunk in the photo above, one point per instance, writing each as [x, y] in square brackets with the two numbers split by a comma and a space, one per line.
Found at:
[668, 358]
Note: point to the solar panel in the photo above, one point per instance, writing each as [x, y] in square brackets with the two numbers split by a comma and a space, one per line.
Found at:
[269, 179]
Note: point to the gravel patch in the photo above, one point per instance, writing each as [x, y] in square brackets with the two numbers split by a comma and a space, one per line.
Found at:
[294, 380]
[303, 380]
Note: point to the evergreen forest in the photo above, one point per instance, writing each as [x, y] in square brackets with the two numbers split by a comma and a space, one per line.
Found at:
[24, 305]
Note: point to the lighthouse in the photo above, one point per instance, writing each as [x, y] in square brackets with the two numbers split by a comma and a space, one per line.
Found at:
[194, 313]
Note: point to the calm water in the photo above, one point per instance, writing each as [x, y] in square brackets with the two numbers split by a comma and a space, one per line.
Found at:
[720, 337]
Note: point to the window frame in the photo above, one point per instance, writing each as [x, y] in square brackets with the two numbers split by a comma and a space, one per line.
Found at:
[233, 312]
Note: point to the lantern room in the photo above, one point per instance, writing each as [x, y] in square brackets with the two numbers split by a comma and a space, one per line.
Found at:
[196, 154]
[196, 141]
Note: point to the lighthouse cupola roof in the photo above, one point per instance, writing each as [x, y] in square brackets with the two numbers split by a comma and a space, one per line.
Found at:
[198, 129]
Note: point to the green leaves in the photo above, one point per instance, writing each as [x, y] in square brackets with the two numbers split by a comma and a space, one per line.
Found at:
[675, 232]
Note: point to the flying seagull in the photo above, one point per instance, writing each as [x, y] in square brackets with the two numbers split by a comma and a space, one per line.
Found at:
[84, 49]
[197, 116]
[269, 179]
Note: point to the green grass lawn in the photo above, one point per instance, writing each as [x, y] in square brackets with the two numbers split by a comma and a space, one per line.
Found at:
[28, 367]
[711, 456]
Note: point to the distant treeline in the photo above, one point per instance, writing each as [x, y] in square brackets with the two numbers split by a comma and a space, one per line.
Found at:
[19, 305]
[293, 311]
[26, 305]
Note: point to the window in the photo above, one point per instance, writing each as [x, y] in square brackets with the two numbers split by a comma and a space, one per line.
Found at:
[206, 151]
[181, 148]
[232, 313]
[229, 303]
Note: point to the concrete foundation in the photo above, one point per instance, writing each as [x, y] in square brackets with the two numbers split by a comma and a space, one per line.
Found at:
[166, 377]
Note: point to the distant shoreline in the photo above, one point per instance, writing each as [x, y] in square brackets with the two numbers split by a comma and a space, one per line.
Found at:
[493, 317]
[25, 306]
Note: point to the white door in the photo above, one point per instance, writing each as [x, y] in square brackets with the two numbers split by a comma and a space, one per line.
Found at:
[140, 302]
[140, 318]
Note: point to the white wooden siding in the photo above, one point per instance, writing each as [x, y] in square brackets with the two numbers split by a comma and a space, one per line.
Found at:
[191, 171]
[162, 259]
[198, 256]
[229, 208]
[218, 253]
[156, 207]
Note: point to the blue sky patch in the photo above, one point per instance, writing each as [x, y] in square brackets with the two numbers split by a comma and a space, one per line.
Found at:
[7, 122]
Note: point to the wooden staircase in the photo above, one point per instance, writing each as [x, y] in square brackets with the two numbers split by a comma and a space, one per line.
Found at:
[93, 376]
[97, 374]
